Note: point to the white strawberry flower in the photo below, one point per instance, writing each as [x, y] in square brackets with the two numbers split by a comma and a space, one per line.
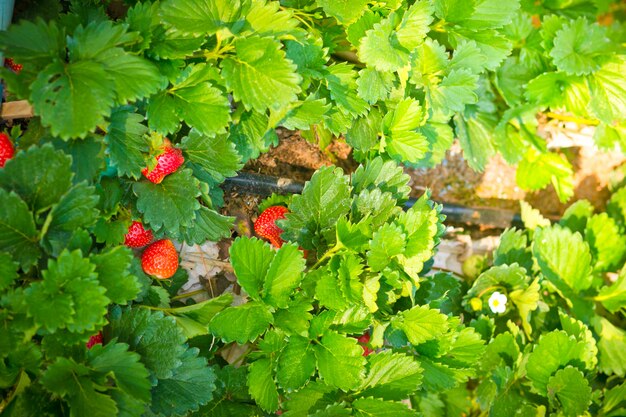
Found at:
[497, 302]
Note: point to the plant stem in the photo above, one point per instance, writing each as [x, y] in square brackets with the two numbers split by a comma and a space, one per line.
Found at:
[188, 294]
[579, 120]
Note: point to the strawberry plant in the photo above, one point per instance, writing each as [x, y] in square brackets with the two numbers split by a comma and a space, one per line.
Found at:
[397, 79]
[142, 110]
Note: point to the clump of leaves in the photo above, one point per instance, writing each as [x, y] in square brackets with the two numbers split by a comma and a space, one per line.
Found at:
[398, 79]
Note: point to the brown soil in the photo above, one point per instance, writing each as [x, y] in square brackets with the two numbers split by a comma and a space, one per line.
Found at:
[453, 181]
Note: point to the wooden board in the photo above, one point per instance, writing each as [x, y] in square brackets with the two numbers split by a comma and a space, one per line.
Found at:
[16, 110]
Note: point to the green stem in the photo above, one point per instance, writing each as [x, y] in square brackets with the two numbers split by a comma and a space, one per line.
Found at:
[579, 120]
[188, 294]
[327, 255]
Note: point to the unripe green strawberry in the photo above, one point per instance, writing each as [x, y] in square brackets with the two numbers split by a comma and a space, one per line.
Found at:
[160, 259]
[167, 162]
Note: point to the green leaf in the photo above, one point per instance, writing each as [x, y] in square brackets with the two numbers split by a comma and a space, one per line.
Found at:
[8, 270]
[170, 204]
[296, 363]
[324, 200]
[607, 245]
[262, 386]
[215, 155]
[467, 56]
[307, 113]
[252, 135]
[251, 258]
[267, 19]
[242, 324]
[531, 217]
[192, 384]
[134, 77]
[328, 293]
[374, 85]
[259, 74]
[537, 170]
[454, 92]
[129, 374]
[513, 248]
[127, 142]
[608, 90]
[387, 243]
[570, 390]
[340, 361]
[613, 297]
[294, 320]
[386, 176]
[526, 300]
[33, 42]
[612, 347]
[114, 274]
[420, 324]
[69, 379]
[192, 99]
[380, 49]
[152, 335]
[422, 225]
[207, 225]
[576, 216]
[18, 235]
[69, 296]
[194, 319]
[341, 82]
[283, 276]
[61, 93]
[415, 23]
[39, 168]
[365, 407]
[578, 45]
[564, 258]
[403, 141]
[475, 135]
[205, 18]
[76, 209]
[345, 11]
[392, 376]
[553, 351]
[494, 46]
[87, 157]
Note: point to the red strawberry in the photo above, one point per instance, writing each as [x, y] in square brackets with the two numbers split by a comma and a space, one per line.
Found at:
[137, 236]
[265, 226]
[8, 62]
[167, 162]
[6, 149]
[364, 341]
[160, 259]
[96, 339]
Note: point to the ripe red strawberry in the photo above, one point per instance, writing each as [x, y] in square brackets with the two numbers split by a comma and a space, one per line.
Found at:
[160, 259]
[6, 149]
[12, 65]
[137, 236]
[364, 341]
[265, 225]
[167, 163]
[96, 339]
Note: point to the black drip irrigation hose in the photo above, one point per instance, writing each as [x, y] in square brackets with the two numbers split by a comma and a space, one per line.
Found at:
[265, 185]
